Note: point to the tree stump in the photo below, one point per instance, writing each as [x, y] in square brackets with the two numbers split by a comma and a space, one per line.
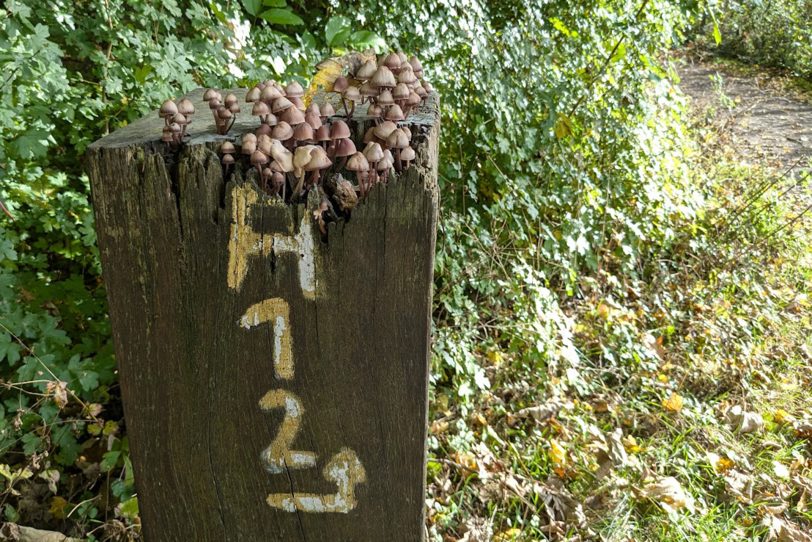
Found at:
[274, 383]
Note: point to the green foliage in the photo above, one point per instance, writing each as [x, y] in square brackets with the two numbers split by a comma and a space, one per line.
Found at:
[774, 33]
[565, 171]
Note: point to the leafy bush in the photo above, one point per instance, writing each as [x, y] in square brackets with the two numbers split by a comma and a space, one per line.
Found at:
[564, 161]
[774, 33]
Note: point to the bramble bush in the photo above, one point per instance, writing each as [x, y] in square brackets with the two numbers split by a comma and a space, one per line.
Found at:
[564, 157]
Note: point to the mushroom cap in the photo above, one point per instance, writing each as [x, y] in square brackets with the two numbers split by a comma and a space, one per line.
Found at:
[403, 58]
[427, 86]
[297, 102]
[252, 95]
[345, 147]
[352, 94]
[327, 110]
[375, 111]
[281, 104]
[264, 143]
[318, 160]
[228, 159]
[260, 108]
[384, 164]
[368, 90]
[282, 156]
[340, 84]
[314, 120]
[385, 98]
[277, 180]
[258, 158]
[322, 133]
[214, 104]
[384, 129]
[358, 162]
[271, 120]
[168, 109]
[302, 157]
[383, 78]
[230, 99]
[397, 140]
[303, 132]
[415, 64]
[269, 94]
[339, 130]
[407, 75]
[367, 70]
[373, 152]
[228, 148]
[186, 107]
[276, 167]
[413, 98]
[210, 94]
[294, 90]
[282, 131]
[407, 154]
[420, 91]
[392, 61]
[313, 108]
[249, 138]
[395, 113]
[180, 119]
[292, 116]
[263, 129]
[166, 135]
[369, 135]
[405, 130]
[248, 147]
[175, 128]
[401, 92]
[234, 108]
[224, 113]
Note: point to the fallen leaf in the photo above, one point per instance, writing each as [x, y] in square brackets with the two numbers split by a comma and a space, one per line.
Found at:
[541, 413]
[720, 464]
[674, 402]
[668, 492]
[782, 530]
[744, 421]
[781, 416]
[58, 508]
[558, 454]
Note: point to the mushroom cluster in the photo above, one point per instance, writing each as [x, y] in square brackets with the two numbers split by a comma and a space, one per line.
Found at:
[297, 148]
[177, 116]
[224, 110]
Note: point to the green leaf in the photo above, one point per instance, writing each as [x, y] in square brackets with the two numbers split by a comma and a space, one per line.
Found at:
[337, 30]
[129, 508]
[252, 6]
[275, 3]
[282, 17]
[563, 126]
[717, 34]
[364, 39]
[140, 74]
[559, 25]
[109, 460]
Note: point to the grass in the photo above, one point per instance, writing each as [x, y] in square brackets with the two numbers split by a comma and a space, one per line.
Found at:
[720, 318]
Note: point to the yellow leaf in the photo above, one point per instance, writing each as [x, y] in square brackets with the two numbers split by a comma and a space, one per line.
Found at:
[673, 403]
[58, 508]
[720, 464]
[563, 126]
[603, 310]
[558, 454]
[466, 459]
[495, 357]
[329, 70]
[781, 416]
[507, 536]
[630, 443]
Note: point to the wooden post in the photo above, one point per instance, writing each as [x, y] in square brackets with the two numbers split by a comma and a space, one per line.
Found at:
[274, 384]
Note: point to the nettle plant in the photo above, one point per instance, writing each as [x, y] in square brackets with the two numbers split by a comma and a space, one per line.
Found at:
[298, 147]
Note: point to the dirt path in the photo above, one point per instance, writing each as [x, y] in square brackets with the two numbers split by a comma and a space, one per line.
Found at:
[765, 123]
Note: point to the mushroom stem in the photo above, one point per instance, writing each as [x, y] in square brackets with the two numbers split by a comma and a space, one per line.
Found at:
[352, 110]
[344, 104]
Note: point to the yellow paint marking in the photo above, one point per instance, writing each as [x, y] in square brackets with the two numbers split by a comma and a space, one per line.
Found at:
[245, 242]
[278, 456]
[277, 311]
[345, 471]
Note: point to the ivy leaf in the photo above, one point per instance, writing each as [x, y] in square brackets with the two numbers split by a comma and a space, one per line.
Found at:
[364, 39]
[109, 460]
[252, 6]
[283, 17]
[275, 3]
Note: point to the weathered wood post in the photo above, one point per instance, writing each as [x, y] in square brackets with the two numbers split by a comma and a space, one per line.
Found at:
[274, 384]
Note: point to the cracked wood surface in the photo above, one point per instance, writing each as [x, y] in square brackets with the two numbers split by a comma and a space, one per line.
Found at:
[192, 377]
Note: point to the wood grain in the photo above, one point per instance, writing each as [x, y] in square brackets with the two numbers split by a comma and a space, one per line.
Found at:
[192, 376]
